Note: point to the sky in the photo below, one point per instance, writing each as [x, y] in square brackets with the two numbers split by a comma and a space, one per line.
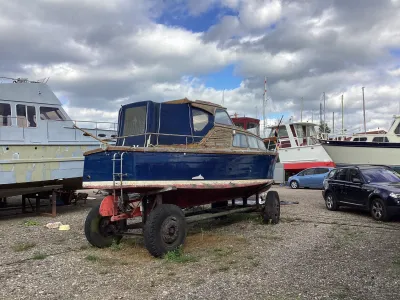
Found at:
[101, 55]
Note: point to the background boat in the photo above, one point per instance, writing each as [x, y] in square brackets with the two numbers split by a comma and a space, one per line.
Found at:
[39, 143]
[375, 148]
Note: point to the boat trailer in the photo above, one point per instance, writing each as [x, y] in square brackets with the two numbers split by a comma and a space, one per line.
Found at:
[164, 219]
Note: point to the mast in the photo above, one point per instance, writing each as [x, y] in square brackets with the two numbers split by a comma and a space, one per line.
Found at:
[301, 111]
[365, 126]
[324, 115]
[264, 103]
[342, 117]
[333, 122]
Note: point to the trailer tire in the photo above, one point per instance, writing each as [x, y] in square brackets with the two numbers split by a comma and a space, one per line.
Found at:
[272, 209]
[95, 233]
[165, 229]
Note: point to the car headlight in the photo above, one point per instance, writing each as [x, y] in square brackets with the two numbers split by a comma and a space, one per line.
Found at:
[395, 196]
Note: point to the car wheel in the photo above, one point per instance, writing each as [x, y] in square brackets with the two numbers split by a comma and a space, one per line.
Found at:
[378, 210]
[294, 184]
[330, 202]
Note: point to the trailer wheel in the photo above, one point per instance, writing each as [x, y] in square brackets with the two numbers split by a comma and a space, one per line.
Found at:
[272, 208]
[165, 229]
[100, 231]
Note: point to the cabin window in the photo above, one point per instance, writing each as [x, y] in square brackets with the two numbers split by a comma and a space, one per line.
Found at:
[222, 117]
[252, 142]
[300, 130]
[5, 114]
[261, 145]
[252, 125]
[26, 115]
[361, 139]
[238, 124]
[135, 120]
[282, 132]
[200, 119]
[51, 113]
[380, 139]
[397, 130]
[239, 140]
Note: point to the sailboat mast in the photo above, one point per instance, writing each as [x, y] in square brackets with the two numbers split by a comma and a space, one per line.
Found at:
[365, 125]
[324, 115]
[301, 111]
[333, 122]
[342, 117]
[264, 103]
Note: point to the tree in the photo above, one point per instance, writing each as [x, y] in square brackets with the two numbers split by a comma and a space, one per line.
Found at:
[323, 126]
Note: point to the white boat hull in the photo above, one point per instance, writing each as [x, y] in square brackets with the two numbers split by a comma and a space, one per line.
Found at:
[351, 155]
[303, 157]
[23, 164]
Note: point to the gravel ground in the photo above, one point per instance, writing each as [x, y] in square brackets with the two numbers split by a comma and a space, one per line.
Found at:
[312, 254]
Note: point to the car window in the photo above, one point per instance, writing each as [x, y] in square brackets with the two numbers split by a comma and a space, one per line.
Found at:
[381, 175]
[301, 173]
[341, 174]
[353, 173]
[332, 173]
[321, 171]
[309, 172]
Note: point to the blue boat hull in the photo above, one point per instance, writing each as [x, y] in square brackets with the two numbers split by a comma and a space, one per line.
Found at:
[178, 166]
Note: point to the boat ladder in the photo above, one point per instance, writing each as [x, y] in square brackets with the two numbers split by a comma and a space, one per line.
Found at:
[118, 157]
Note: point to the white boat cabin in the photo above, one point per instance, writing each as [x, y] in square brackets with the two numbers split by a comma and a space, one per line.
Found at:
[30, 113]
[297, 134]
[392, 135]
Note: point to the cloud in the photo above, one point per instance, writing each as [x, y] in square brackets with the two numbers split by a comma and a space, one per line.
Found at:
[102, 55]
[256, 14]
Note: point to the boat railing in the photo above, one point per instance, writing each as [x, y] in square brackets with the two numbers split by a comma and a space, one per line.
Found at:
[22, 129]
[332, 137]
[147, 137]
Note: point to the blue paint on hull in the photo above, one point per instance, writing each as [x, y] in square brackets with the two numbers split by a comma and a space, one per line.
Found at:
[167, 166]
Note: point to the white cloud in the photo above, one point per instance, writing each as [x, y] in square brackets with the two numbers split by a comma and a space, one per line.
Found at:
[102, 55]
[256, 14]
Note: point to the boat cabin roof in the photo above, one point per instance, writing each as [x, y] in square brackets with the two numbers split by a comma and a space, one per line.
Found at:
[176, 122]
[29, 92]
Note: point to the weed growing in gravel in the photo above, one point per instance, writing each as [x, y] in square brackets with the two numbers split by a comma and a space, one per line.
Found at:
[31, 223]
[39, 255]
[178, 256]
[222, 252]
[19, 247]
[115, 246]
[92, 257]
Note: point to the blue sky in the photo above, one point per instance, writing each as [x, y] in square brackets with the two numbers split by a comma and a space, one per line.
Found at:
[224, 78]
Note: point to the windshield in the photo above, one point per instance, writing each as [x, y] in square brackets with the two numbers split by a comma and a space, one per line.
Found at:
[380, 175]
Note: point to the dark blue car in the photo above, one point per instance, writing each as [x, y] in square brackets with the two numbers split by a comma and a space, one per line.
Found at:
[373, 188]
[311, 178]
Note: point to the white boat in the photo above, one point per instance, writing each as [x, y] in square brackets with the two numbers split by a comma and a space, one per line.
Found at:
[367, 148]
[38, 141]
[298, 147]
